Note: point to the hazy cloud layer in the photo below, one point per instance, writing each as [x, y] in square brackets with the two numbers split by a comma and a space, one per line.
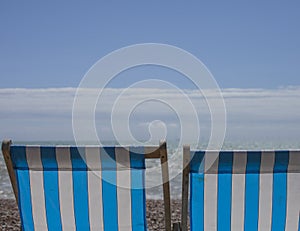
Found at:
[252, 114]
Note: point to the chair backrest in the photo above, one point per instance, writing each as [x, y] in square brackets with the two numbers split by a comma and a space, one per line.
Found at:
[242, 190]
[81, 188]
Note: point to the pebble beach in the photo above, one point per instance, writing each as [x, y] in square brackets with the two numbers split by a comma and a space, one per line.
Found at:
[10, 220]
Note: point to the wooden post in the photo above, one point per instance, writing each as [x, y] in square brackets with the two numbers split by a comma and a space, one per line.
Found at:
[6, 154]
[185, 187]
[176, 227]
[166, 184]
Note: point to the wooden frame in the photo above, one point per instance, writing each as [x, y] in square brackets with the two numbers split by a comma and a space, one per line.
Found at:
[185, 187]
[152, 153]
[166, 184]
[6, 154]
[162, 154]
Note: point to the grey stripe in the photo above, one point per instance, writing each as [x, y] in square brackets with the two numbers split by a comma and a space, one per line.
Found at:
[65, 184]
[33, 156]
[92, 155]
[211, 190]
[266, 191]
[238, 191]
[293, 192]
[123, 189]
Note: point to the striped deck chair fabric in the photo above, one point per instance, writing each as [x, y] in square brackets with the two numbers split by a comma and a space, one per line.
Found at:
[244, 190]
[74, 188]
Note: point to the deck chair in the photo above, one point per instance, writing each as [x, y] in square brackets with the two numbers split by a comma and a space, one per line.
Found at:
[74, 188]
[241, 190]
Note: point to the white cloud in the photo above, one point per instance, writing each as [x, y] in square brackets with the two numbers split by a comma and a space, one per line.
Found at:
[46, 114]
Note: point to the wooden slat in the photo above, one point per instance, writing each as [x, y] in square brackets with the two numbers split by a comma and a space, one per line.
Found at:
[152, 152]
[166, 184]
[185, 187]
[6, 154]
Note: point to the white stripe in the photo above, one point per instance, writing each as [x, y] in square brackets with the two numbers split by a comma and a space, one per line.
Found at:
[211, 190]
[65, 184]
[123, 189]
[266, 191]
[293, 192]
[92, 155]
[33, 156]
[238, 191]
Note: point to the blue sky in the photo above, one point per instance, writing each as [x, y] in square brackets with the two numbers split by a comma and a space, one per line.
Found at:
[251, 48]
[245, 44]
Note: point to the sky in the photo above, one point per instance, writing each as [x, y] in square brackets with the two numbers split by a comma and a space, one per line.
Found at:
[245, 44]
[250, 47]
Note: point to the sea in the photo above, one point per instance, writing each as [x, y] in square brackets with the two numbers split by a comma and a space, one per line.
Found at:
[153, 173]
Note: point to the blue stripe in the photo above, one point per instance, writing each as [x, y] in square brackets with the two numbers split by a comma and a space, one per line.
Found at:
[48, 157]
[224, 191]
[138, 199]
[80, 187]
[196, 192]
[252, 191]
[137, 157]
[18, 156]
[109, 190]
[25, 199]
[280, 190]
[196, 159]
[197, 201]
